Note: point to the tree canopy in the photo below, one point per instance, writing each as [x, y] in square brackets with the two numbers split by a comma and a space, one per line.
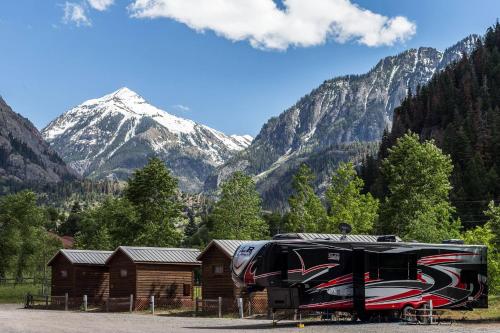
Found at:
[417, 206]
[307, 213]
[237, 214]
[347, 204]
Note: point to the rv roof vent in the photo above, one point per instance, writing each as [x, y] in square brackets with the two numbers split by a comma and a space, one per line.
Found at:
[453, 241]
[387, 238]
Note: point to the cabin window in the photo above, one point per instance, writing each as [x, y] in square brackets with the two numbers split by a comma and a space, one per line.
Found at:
[186, 289]
[123, 272]
[64, 273]
[217, 269]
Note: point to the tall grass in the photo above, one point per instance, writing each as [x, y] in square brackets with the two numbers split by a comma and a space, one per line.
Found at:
[11, 293]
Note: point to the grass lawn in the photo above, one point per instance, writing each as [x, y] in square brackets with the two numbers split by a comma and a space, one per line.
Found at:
[15, 293]
[491, 313]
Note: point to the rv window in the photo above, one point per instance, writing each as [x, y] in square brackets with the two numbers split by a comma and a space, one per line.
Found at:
[393, 266]
[412, 267]
[468, 276]
[373, 265]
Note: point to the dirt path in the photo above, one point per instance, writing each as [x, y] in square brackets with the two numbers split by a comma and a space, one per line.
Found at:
[13, 319]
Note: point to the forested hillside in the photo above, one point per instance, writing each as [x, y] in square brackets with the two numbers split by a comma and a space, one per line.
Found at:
[460, 110]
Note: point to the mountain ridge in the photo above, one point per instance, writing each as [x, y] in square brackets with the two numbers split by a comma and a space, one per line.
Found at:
[339, 112]
[24, 155]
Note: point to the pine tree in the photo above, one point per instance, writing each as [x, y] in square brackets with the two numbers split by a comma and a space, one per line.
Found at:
[72, 224]
[307, 213]
[238, 213]
[191, 228]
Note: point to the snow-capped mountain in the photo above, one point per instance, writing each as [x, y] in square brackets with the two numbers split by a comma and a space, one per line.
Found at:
[329, 123]
[117, 133]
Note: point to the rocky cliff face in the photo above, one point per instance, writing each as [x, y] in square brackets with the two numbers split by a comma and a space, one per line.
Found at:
[24, 154]
[109, 137]
[343, 111]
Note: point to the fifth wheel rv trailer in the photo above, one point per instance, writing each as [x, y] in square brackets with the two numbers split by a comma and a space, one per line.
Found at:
[363, 277]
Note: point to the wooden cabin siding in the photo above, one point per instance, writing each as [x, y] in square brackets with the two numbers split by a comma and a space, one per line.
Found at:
[164, 280]
[92, 281]
[216, 285]
[59, 284]
[121, 286]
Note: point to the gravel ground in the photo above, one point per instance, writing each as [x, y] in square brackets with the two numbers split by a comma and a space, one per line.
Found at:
[13, 319]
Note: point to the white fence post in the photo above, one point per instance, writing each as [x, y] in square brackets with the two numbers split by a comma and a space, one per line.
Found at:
[84, 302]
[152, 305]
[240, 306]
[66, 298]
[220, 307]
[131, 303]
[430, 311]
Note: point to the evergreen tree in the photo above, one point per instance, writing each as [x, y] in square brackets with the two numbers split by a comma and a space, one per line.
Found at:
[191, 228]
[72, 224]
[417, 206]
[237, 215]
[307, 213]
[153, 191]
[347, 203]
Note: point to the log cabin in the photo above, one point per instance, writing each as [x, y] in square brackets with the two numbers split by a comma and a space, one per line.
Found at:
[216, 272]
[80, 272]
[166, 273]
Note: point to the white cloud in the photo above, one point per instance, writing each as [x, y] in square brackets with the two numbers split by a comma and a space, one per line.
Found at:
[181, 107]
[75, 13]
[300, 23]
[100, 5]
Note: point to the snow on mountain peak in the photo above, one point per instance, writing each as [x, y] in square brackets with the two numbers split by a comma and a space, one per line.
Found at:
[121, 129]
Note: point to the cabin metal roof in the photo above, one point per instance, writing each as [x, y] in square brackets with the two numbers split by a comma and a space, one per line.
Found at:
[228, 246]
[161, 255]
[84, 257]
[338, 237]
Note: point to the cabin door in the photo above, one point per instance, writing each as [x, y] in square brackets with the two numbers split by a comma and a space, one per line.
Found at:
[358, 280]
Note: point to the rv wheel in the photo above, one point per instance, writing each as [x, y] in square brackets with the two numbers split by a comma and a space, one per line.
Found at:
[408, 313]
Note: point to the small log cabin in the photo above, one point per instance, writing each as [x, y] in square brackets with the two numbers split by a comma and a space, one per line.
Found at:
[166, 273]
[216, 271]
[80, 272]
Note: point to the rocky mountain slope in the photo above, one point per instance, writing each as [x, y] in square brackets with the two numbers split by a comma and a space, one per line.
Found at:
[109, 137]
[24, 155]
[333, 121]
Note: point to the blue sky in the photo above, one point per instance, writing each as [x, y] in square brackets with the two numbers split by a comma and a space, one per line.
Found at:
[49, 64]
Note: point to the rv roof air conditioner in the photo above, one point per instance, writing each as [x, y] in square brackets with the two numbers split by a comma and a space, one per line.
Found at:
[453, 241]
[286, 236]
[387, 238]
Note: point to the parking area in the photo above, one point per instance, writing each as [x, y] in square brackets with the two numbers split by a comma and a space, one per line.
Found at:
[14, 319]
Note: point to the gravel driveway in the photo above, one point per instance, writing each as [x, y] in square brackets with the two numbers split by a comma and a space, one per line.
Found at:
[13, 319]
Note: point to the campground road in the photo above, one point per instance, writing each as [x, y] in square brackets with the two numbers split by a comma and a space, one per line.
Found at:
[13, 319]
